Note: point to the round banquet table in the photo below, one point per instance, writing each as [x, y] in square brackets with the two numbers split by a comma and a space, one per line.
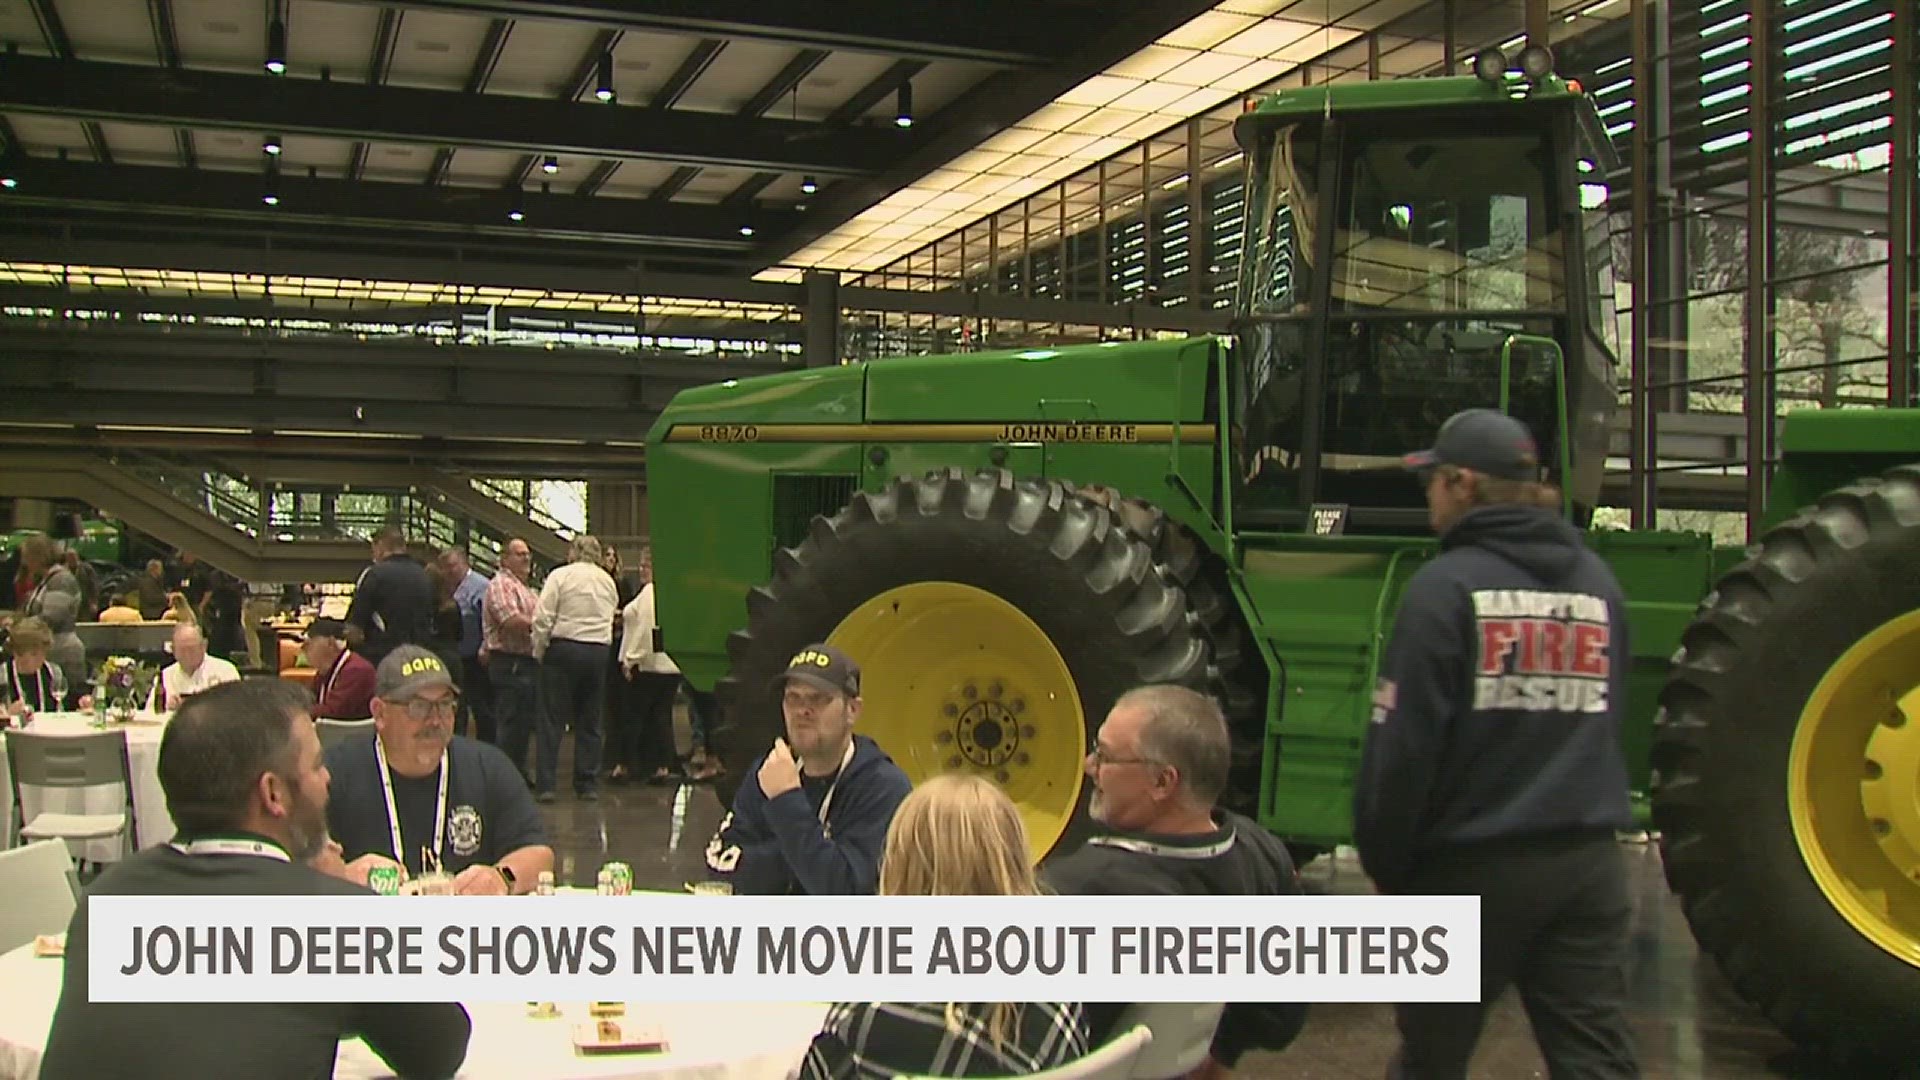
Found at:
[143, 759]
[705, 1042]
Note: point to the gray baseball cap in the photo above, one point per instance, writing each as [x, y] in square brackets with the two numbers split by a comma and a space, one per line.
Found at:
[407, 670]
[1484, 440]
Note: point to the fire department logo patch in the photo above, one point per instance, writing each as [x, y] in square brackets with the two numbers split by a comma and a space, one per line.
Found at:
[464, 829]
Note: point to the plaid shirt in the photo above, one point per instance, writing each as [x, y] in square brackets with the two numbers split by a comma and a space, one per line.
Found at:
[507, 597]
[860, 1041]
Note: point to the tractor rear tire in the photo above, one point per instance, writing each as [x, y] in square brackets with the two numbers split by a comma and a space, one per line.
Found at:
[1776, 739]
[995, 619]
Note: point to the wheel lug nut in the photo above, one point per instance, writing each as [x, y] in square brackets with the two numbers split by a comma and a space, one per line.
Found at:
[1002, 775]
[1028, 731]
[943, 737]
[970, 692]
[994, 690]
[1881, 827]
[1017, 705]
[951, 709]
[953, 762]
[1022, 759]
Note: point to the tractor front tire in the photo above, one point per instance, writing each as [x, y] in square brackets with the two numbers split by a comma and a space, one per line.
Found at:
[995, 620]
[1787, 761]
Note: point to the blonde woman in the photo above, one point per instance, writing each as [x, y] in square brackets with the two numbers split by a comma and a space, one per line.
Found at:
[955, 835]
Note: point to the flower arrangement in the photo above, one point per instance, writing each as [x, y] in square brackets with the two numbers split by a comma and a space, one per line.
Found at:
[121, 685]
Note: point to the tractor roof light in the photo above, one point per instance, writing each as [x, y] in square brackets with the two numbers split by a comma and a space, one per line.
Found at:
[1490, 66]
[1536, 62]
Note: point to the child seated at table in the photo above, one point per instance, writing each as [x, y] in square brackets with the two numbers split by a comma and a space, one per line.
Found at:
[955, 835]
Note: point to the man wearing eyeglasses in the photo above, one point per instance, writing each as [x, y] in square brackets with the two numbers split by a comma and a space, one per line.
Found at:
[811, 816]
[418, 796]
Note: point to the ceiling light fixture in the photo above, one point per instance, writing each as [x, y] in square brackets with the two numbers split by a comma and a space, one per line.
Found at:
[603, 77]
[9, 182]
[270, 199]
[903, 108]
[277, 46]
[271, 145]
[808, 185]
[746, 230]
[551, 165]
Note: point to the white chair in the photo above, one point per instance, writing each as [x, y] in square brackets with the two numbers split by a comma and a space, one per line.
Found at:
[334, 732]
[38, 892]
[1113, 1061]
[1182, 1036]
[72, 762]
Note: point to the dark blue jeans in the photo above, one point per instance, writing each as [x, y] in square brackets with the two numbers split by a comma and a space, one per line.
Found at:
[513, 682]
[573, 685]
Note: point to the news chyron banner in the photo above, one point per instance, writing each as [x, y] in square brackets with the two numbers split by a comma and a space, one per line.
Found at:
[650, 947]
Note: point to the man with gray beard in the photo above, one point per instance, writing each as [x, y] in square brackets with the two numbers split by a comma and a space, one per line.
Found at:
[246, 785]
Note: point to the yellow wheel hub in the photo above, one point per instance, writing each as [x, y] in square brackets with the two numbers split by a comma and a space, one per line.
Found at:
[956, 679]
[1854, 786]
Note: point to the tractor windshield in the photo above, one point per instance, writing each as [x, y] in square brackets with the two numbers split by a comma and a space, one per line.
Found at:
[1398, 269]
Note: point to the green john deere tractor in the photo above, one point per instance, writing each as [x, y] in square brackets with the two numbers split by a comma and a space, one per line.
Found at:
[1008, 540]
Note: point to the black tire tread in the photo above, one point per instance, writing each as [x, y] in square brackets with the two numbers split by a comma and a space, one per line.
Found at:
[1859, 1014]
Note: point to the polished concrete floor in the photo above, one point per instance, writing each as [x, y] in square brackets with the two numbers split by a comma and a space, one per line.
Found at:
[1687, 1022]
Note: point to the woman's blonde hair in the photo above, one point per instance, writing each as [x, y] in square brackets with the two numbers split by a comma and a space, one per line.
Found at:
[31, 634]
[959, 835]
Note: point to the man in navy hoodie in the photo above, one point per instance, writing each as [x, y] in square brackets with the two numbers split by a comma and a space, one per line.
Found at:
[812, 817]
[1493, 766]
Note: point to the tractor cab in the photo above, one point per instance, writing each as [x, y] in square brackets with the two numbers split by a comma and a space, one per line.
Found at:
[1414, 248]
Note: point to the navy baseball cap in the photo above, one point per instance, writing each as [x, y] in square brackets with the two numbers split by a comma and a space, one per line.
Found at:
[1485, 440]
[826, 667]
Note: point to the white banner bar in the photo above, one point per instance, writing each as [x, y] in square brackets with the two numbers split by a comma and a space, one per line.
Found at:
[654, 947]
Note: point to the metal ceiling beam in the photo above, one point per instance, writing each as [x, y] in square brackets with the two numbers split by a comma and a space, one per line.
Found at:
[503, 458]
[691, 68]
[166, 45]
[445, 266]
[140, 94]
[51, 28]
[597, 178]
[916, 29]
[632, 223]
[988, 108]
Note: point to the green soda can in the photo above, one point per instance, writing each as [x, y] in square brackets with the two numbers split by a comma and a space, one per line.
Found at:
[621, 878]
[384, 880]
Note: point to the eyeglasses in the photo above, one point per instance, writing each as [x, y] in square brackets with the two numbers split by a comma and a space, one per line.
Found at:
[1102, 756]
[421, 708]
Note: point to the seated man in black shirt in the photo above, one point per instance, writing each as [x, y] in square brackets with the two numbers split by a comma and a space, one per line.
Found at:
[241, 768]
[416, 794]
[1159, 763]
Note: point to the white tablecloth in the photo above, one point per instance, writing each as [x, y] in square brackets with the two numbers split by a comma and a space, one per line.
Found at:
[706, 1042]
[149, 802]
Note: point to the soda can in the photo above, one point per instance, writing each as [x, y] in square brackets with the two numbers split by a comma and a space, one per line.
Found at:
[384, 880]
[622, 878]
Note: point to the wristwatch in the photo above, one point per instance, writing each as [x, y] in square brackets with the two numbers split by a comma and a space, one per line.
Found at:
[506, 875]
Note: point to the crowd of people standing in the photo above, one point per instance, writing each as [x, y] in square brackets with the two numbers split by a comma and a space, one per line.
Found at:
[534, 661]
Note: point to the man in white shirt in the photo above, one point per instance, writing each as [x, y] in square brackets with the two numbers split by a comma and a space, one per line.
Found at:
[191, 672]
[572, 634]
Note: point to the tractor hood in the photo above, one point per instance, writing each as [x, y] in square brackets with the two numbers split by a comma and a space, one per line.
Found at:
[1121, 382]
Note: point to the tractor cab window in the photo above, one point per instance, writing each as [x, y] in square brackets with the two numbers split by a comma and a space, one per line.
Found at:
[1446, 275]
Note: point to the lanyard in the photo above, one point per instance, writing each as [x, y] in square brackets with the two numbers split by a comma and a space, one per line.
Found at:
[39, 685]
[221, 846]
[393, 813]
[339, 663]
[827, 801]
